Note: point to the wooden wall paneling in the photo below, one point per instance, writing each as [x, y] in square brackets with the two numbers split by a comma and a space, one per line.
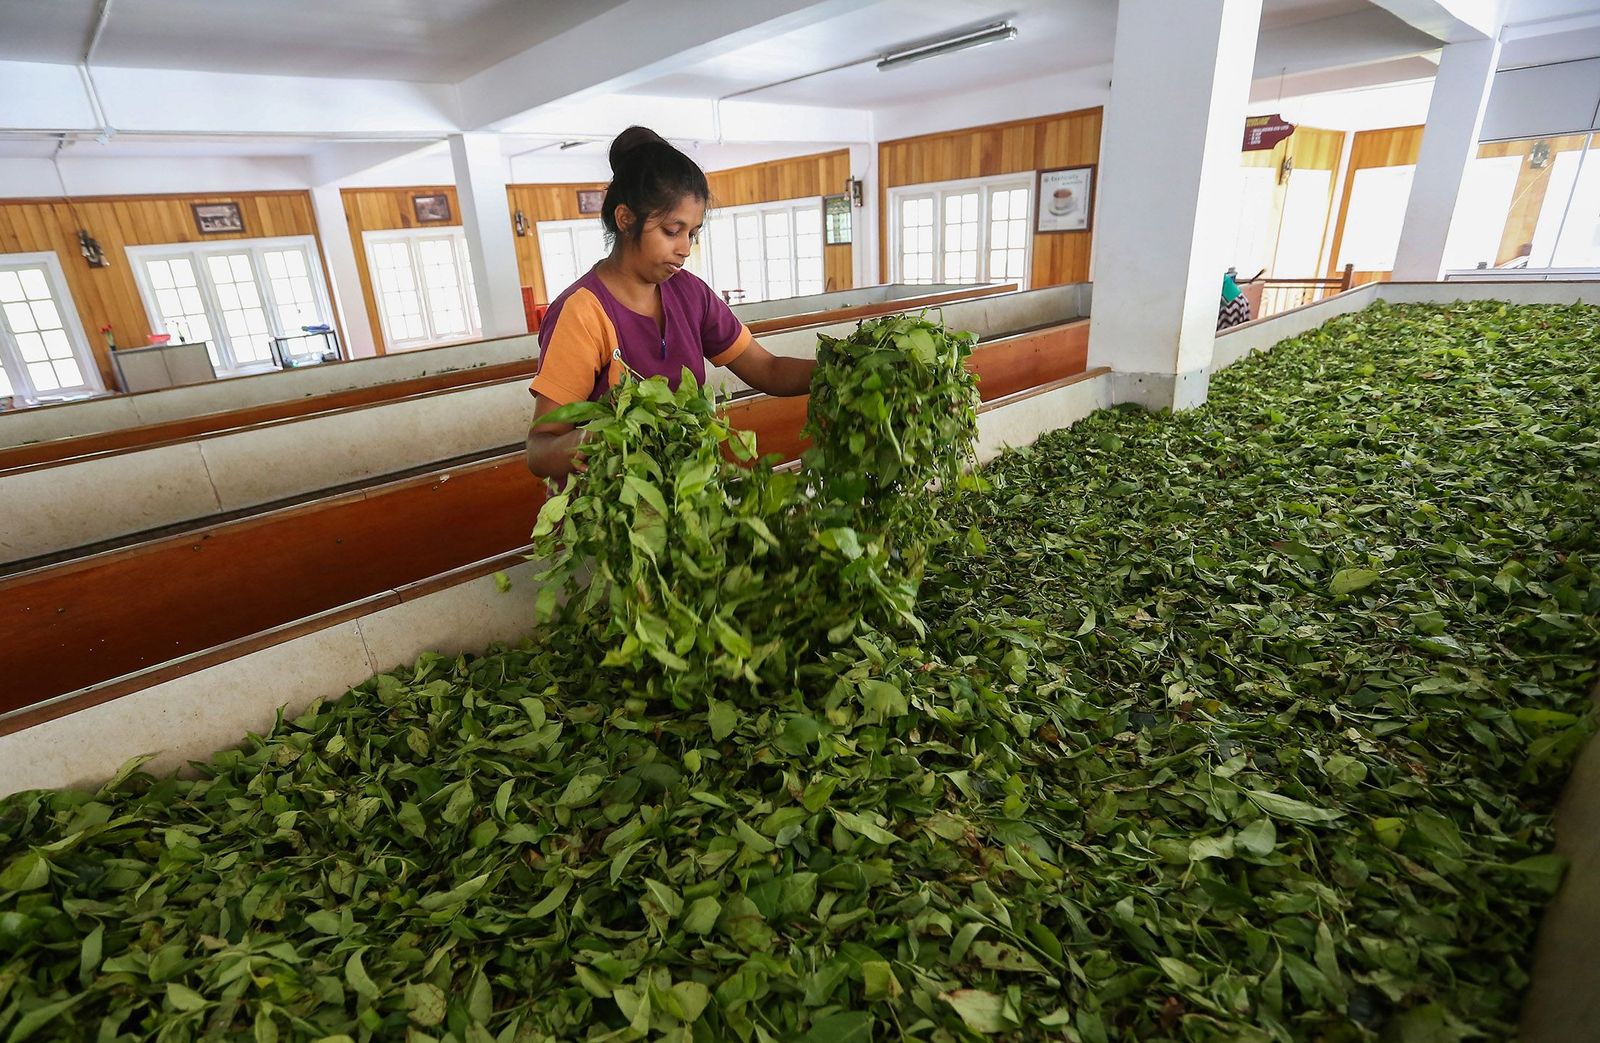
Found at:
[1388, 147]
[542, 203]
[110, 295]
[1065, 140]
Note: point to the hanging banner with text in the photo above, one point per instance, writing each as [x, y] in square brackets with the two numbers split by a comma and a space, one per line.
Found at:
[1264, 132]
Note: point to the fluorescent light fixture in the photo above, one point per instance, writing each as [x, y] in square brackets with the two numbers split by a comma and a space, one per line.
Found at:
[992, 33]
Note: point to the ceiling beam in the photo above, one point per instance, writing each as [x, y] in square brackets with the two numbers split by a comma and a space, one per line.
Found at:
[1364, 38]
[636, 41]
[1449, 21]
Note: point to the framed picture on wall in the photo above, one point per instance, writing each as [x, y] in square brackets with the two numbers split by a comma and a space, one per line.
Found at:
[590, 200]
[1066, 199]
[836, 220]
[431, 209]
[217, 218]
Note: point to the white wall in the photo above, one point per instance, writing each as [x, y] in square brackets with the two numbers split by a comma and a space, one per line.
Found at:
[147, 175]
[1046, 96]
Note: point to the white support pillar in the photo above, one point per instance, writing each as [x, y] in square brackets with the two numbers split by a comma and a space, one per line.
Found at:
[486, 220]
[864, 218]
[333, 231]
[1169, 156]
[1449, 144]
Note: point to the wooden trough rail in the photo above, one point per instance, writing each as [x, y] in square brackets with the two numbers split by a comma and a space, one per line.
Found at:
[90, 620]
[61, 450]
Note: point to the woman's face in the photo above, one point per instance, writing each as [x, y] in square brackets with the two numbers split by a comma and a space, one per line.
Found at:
[664, 246]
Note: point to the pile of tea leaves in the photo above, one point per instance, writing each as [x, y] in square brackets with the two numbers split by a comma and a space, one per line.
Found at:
[1241, 724]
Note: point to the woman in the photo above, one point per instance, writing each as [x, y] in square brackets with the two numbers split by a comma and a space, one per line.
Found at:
[638, 309]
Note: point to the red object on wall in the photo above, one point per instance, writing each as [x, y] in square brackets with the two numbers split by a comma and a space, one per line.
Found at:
[530, 310]
[1264, 132]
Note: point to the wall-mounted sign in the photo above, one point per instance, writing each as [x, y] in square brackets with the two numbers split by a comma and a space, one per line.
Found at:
[1066, 202]
[431, 209]
[1264, 132]
[590, 200]
[836, 220]
[210, 219]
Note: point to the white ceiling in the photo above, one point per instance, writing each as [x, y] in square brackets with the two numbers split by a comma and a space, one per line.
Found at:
[1051, 35]
[423, 41]
[447, 41]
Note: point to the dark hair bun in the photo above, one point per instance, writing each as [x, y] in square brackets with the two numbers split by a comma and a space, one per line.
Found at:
[630, 140]
[648, 177]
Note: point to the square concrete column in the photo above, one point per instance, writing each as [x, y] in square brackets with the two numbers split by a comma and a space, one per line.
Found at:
[486, 219]
[864, 218]
[333, 228]
[1169, 159]
[1449, 144]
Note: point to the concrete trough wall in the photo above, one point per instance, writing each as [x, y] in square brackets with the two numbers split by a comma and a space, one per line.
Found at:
[815, 302]
[78, 503]
[115, 412]
[189, 717]
[151, 407]
[988, 317]
[52, 508]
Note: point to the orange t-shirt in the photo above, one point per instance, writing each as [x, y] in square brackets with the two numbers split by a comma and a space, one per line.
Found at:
[587, 331]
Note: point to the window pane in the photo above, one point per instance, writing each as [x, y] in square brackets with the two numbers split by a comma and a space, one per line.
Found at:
[56, 344]
[243, 317]
[1372, 224]
[43, 376]
[31, 345]
[1578, 245]
[960, 237]
[68, 374]
[292, 293]
[1479, 222]
[19, 317]
[33, 285]
[47, 359]
[442, 287]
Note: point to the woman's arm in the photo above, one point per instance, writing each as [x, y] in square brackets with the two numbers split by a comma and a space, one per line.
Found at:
[553, 449]
[774, 374]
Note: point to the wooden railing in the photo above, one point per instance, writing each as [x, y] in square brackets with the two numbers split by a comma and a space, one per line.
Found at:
[1280, 295]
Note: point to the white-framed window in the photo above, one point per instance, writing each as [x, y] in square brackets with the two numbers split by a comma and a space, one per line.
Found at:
[423, 281]
[974, 230]
[43, 352]
[1482, 205]
[568, 249]
[1306, 203]
[235, 295]
[1373, 218]
[764, 251]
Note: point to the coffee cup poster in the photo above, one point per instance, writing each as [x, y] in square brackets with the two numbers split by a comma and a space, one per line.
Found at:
[1066, 201]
